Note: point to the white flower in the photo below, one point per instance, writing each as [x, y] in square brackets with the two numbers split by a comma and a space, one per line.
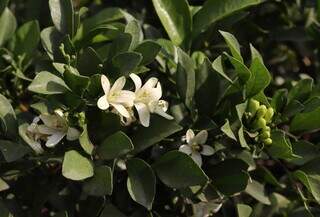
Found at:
[34, 136]
[147, 99]
[56, 127]
[196, 147]
[119, 99]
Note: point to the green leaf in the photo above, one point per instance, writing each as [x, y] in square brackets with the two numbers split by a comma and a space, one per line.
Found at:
[62, 15]
[12, 151]
[89, 62]
[214, 10]
[114, 146]
[48, 83]
[306, 121]
[301, 90]
[101, 183]
[217, 65]
[149, 50]
[226, 172]
[3, 5]
[77, 83]
[76, 167]
[51, 40]
[281, 146]
[134, 29]
[176, 19]
[233, 45]
[310, 177]
[8, 118]
[178, 170]
[126, 62]
[111, 211]
[85, 142]
[8, 25]
[260, 76]
[257, 191]
[244, 210]
[3, 185]
[185, 78]
[26, 39]
[241, 69]
[141, 182]
[226, 128]
[160, 128]
[306, 150]
[279, 99]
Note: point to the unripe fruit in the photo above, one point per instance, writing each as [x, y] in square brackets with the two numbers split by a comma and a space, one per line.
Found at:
[266, 129]
[265, 135]
[269, 114]
[253, 106]
[261, 111]
[267, 141]
[260, 123]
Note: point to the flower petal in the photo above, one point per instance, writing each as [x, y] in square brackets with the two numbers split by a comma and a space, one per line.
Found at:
[72, 134]
[103, 103]
[121, 110]
[185, 149]
[201, 137]
[105, 83]
[144, 114]
[49, 120]
[151, 83]
[189, 135]
[197, 158]
[54, 139]
[43, 129]
[207, 150]
[118, 84]
[36, 147]
[136, 80]
[124, 97]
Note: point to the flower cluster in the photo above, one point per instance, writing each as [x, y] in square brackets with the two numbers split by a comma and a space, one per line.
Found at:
[258, 118]
[195, 146]
[146, 99]
[51, 131]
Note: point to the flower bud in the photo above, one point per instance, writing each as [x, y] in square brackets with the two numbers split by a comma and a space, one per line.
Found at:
[253, 106]
[267, 141]
[266, 129]
[269, 114]
[260, 123]
[265, 135]
[261, 111]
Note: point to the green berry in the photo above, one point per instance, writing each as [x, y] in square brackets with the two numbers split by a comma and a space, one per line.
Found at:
[253, 106]
[266, 129]
[260, 123]
[269, 114]
[267, 141]
[261, 111]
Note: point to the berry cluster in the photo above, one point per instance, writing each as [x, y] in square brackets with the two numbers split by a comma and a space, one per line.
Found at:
[258, 118]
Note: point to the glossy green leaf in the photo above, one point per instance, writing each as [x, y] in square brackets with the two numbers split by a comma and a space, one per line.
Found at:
[3, 5]
[77, 83]
[51, 39]
[111, 211]
[306, 121]
[176, 19]
[76, 167]
[214, 10]
[257, 191]
[8, 118]
[126, 62]
[149, 50]
[89, 62]
[12, 151]
[62, 15]
[114, 146]
[3, 185]
[134, 29]
[301, 90]
[178, 170]
[85, 141]
[101, 183]
[26, 39]
[217, 65]
[226, 172]
[233, 45]
[241, 69]
[8, 25]
[226, 128]
[306, 152]
[48, 83]
[141, 182]
[281, 146]
[160, 128]
[244, 210]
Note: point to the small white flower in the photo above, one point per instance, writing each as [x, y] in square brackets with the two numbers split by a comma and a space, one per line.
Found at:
[56, 127]
[35, 136]
[196, 147]
[116, 97]
[147, 99]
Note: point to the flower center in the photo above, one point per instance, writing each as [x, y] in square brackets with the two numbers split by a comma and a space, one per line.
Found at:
[196, 147]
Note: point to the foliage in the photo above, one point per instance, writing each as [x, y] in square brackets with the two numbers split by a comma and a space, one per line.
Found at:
[159, 108]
